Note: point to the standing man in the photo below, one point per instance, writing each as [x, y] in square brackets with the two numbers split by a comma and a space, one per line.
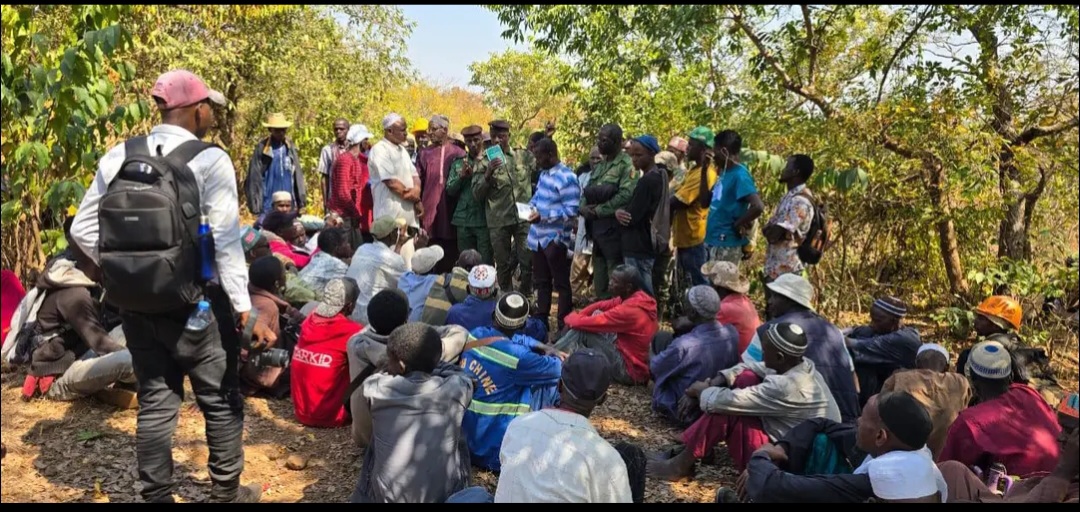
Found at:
[556, 203]
[420, 135]
[162, 351]
[433, 165]
[791, 223]
[503, 185]
[638, 242]
[275, 167]
[395, 184]
[690, 206]
[351, 195]
[329, 154]
[678, 146]
[610, 189]
[735, 203]
[581, 271]
[470, 214]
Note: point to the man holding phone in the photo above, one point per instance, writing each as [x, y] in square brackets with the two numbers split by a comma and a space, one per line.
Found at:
[506, 181]
[470, 218]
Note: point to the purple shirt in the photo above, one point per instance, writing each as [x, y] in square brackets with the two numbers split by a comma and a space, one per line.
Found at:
[433, 165]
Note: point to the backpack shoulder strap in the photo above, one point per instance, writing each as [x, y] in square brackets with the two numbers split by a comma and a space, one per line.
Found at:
[186, 152]
[136, 147]
[186, 185]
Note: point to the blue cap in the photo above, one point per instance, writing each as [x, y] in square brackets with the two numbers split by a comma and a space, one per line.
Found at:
[204, 306]
[649, 142]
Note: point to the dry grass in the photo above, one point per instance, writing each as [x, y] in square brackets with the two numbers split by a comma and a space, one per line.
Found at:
[84, 452]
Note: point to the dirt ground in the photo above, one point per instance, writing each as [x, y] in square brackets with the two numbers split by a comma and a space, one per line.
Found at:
[84, 452]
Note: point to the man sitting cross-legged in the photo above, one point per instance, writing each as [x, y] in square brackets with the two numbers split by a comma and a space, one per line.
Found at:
[514, 375]
[749, 405]
[621, 328]
[892, 431]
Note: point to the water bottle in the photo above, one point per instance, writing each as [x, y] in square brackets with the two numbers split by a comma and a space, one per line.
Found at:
[201, 319]
[206, 250]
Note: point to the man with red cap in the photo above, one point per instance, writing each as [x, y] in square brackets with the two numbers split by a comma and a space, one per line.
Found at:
[163, 348]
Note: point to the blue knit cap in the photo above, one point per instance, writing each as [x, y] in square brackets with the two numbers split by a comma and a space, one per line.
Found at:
[649, 142]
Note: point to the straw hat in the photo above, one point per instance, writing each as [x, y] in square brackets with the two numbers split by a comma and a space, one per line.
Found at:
[277, 120]
[726, 275]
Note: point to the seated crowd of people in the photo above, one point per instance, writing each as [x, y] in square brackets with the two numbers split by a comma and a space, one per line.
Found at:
[439, 363]
[437, 374]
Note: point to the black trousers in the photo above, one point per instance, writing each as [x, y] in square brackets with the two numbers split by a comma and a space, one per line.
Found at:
[162, 354]
[551, 271]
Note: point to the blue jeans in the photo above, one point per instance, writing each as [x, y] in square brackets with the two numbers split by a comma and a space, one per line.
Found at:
[691, 260]
[472, 495]
[644, 267]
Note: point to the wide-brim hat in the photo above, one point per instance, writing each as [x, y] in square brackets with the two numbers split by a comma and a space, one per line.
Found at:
[725, 274]
[277, 120]
[796, 288]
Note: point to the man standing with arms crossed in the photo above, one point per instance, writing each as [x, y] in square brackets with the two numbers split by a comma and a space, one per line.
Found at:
[163, 351]
[395, 183]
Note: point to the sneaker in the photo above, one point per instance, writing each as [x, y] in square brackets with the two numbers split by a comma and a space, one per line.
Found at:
[123, 399]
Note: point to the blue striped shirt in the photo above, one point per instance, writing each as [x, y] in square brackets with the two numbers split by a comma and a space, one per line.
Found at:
[557, 198]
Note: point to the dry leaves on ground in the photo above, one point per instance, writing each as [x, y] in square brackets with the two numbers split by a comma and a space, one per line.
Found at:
[84, 452]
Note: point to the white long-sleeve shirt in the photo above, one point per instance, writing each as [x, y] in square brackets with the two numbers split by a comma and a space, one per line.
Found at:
[216, 178]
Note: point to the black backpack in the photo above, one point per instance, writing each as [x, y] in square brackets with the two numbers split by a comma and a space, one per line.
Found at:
[819, 237]
[149, 224]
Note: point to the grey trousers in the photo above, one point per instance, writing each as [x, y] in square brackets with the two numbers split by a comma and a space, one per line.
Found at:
[91, 375]
[163, 353]
[603, 343]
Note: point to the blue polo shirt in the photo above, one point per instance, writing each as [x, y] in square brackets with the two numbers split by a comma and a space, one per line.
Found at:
[728, 206]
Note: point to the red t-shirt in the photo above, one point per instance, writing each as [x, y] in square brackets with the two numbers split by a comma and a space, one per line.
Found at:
[320, 371]
[737, 311]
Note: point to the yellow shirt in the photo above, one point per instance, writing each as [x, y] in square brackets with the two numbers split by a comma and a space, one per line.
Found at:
[688, 226]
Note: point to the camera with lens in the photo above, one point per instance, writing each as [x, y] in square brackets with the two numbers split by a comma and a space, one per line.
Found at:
[270, 358]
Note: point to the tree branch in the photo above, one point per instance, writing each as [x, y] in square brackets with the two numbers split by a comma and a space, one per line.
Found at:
[811, 42]
[523, 122]
[774, 63]
[900, 50]
[1036, 132]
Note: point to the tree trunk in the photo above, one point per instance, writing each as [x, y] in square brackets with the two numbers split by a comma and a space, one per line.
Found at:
[947, 242]
[1012, 234]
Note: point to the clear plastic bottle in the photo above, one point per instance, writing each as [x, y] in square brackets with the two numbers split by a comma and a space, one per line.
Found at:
[201, 319]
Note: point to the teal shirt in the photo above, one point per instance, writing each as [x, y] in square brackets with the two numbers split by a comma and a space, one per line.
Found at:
[728, 206]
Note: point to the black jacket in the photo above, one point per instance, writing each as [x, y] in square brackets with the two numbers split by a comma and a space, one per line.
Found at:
[637, 238]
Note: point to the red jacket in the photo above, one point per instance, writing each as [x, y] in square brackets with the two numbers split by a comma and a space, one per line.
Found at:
[350, 194]
[634, 323]
[320, 371]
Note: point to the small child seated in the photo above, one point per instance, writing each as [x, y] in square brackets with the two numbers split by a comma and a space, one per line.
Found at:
[418, 452]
